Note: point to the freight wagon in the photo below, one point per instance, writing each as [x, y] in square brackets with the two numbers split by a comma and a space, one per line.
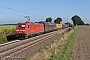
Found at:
[59, 26]
[48, 26]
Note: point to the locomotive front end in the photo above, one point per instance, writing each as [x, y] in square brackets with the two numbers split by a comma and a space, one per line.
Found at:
[20, 30]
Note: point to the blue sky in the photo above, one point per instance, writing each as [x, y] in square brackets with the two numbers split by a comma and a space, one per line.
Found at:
[13, 11]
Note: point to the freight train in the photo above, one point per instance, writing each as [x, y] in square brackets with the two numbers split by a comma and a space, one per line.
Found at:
[27, 29]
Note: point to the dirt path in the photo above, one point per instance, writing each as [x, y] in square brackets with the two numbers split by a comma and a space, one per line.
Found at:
[81, 50]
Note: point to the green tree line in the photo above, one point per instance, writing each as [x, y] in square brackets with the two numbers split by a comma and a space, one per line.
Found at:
[75, 19]
[57, 20]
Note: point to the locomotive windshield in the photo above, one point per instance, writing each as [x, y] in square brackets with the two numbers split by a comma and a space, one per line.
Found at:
[21, 25]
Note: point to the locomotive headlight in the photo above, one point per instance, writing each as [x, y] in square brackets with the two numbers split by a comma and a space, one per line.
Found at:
[17, 30]
[23, 30]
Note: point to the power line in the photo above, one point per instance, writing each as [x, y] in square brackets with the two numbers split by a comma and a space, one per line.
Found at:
[10, 14]
[28, 6]
[15, 10]
[17, 15]
[19, 11]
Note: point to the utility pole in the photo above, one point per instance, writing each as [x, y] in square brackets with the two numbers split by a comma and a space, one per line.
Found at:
[67, 19]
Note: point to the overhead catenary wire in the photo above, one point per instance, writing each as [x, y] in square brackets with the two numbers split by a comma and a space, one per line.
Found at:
[18, 15]
[29, 7]
[19, 11]
[10, 14]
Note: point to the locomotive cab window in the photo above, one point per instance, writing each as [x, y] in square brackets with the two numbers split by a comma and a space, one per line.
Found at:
[21, 25]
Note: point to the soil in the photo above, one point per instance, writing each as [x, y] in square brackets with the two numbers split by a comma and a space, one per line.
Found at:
[81, 49]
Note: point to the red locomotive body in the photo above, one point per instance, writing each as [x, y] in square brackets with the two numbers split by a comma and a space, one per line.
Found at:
[26, 29]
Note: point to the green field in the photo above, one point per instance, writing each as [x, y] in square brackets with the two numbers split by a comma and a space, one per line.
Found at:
[9, 27]
[5, 31]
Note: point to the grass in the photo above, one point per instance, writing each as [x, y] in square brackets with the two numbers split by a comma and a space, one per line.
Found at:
[24, 59]
[5, 31]
[65, 50]
[6, 28]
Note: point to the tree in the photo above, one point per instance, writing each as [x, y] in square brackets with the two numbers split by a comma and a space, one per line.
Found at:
[58, 20]
[87, 24]
[77, 20]
[49, 19]
[70, 25]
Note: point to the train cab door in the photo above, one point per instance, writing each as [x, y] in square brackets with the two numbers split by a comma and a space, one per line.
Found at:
[28, 30]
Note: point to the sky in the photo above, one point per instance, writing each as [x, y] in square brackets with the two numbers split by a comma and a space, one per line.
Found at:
[13, 11]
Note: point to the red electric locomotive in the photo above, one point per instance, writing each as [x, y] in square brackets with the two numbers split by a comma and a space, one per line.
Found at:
[27, 29]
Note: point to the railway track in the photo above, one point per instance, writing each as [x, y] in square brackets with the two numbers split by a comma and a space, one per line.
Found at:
[9, 43]
[11, 48]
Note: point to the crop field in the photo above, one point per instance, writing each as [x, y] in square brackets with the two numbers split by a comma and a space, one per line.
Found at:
[81, 50]
[5, 31]
[9, 27]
